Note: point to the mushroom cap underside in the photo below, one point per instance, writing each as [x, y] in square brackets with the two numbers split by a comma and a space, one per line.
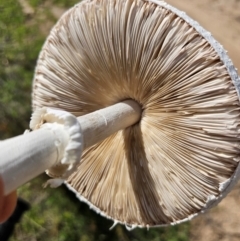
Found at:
[182, 157]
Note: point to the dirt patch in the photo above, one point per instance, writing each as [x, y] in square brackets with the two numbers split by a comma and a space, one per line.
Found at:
[221, 223]
[45, 14]
[222, 19]
[26, 7]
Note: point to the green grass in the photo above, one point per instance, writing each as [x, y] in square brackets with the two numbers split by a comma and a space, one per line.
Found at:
[19, 47]
[55, 214]
[36, 3]
[65, 3]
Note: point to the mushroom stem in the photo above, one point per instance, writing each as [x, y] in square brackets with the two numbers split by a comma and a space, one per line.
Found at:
[100, 124]
[24, 157]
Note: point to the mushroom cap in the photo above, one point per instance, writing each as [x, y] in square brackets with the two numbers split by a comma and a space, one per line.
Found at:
[183, 156]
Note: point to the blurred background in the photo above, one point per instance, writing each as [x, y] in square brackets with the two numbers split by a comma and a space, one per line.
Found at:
[56, 214]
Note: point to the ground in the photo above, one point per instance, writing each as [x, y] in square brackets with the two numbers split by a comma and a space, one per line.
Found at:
[222, 19]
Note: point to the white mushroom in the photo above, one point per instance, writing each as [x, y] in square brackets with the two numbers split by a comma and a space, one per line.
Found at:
[182, 156]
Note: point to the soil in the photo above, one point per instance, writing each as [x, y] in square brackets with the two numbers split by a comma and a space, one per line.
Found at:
[222, 19]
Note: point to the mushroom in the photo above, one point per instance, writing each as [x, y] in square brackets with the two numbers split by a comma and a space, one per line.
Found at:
[179, 154]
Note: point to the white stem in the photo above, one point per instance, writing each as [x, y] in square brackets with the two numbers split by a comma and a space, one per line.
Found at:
[24, 157]
[100, 124]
